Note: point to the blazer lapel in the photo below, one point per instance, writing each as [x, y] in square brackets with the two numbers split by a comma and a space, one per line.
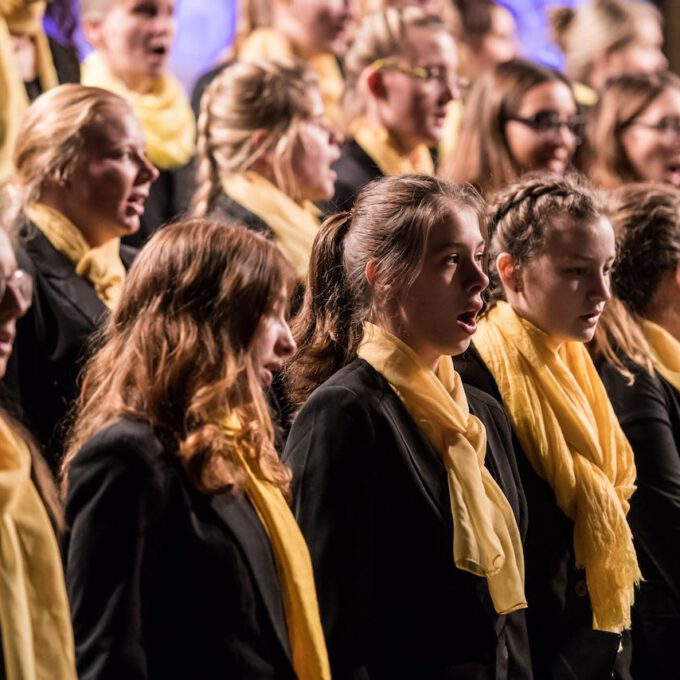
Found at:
[253, 541]
[60, 272]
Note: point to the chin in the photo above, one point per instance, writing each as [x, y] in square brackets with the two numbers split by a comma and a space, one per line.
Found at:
[460, 347]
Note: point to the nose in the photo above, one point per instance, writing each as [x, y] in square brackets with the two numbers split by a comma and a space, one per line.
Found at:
[601, 291]
[13, 305]
[478, 280]
[285, 345]
[147, 170]
[336, 137]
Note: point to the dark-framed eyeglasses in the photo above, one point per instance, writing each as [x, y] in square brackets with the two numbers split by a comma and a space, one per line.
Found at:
[666, 125]
[548, 123]
[21, 285]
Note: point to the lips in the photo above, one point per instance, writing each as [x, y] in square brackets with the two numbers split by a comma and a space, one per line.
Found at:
[136, 203]
[673, 173]
[591, 318]
[467, 320]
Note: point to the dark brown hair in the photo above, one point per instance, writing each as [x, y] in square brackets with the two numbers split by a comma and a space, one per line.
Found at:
[482, 156]
[175, 353]
[389, 226]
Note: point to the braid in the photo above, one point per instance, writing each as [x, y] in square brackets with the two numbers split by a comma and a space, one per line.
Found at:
[207, 180]
[519, 218]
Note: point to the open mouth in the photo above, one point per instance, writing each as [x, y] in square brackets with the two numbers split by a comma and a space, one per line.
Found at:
[159, 50]
[468, 321]
[673, 173]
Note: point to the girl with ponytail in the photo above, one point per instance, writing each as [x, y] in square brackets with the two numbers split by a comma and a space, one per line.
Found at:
[551, 255]
[405, 482]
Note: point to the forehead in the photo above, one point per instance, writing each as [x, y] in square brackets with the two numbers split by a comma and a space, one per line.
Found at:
[426, 45]
[459, 225]
[568, 237]
[666, 104]
[502, 21]
[114, 126]
[553, 95]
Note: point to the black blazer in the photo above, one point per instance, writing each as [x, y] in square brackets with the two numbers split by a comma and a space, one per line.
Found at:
[225, 209]
[165, 582]
[372, 500]
[563, 643]
[649, 412]
[355, 169]
[51, 344]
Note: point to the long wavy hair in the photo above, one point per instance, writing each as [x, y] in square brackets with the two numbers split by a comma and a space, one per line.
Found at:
[176, 352]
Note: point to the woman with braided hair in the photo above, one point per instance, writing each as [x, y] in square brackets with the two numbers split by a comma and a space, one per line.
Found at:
[637, 346]
[264, 153]
[393, 460]
[551, 254]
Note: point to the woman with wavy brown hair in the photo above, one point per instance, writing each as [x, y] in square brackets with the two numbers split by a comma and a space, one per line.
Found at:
[183, 555]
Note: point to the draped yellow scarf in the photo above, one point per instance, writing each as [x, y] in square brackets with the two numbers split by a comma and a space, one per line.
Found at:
[375, 140]
[164, 113]
[101, 266]
[486, 540]
[266, 43]
[294, 565]
[19, 18]
[562, 416]
[665, 351]
[294, 224]
[37, 640]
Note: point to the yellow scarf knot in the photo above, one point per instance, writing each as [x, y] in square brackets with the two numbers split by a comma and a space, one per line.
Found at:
[562, 416]
[164, 113]
[294, 565]
[665, 351]
[37, 639]
[101, 266]
[376, 141]
[486, 540]
[294, 224]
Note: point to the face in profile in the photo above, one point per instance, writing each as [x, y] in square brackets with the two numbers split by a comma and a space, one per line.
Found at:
[315, 149]
[651, 141]
[437, 315]
[135, 37]
[414, 102]
[16, 287]
[110, 181]
[272, 342]
[543, 133]
[643, 54]
[563, 289]
[495, 47]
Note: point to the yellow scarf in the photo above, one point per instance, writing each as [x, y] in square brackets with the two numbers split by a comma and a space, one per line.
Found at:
[665, 350]
[101, 266]
[165, 113]
[294, 566]
[486, 540]
[562, 416]
[266, 43]
[375, 140]
[37, 640]
[294, 225]
[19, 18]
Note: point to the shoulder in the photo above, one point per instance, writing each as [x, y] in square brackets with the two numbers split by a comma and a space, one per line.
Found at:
[202, 84]
[355, 168]
[128, 255]
[474, 373]
[225, 209]
[482, 402]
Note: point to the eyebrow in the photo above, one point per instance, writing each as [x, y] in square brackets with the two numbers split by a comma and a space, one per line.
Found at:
[584, 258]
[458, 244]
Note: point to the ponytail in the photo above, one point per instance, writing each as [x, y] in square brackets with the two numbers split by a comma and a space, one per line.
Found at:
[327, 329]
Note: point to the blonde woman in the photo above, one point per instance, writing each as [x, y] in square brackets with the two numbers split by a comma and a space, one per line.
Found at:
[401, 73]
[81, 181]
[264, 153]
[606, 38]
[132, 42]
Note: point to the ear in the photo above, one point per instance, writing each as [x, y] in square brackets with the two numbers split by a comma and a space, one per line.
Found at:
[509, 272]
[376, 84]
[93, 31]
[370, 272]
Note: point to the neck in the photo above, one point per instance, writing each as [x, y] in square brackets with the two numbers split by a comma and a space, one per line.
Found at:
[93, 235]
[288, 27]
[668, 317]
[402, 146]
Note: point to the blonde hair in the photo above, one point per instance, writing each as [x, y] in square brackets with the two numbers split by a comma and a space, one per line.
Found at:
[95, 9]
[177, 352]
[272, 96]
[379, 36]
[595, 28]
[54, 133]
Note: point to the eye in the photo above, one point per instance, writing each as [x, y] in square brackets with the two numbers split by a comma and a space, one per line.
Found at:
[452, 258]
[577, 271]
[479, 257]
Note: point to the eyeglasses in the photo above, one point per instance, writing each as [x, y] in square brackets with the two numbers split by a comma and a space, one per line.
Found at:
[432, 74]
[21, 285]
[548, 123]
[665, 126]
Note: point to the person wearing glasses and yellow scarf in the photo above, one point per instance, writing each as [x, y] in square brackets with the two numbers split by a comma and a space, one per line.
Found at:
[551, 255]
[400, 74]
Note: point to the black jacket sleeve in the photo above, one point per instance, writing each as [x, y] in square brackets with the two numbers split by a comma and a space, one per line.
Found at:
[114, 510]
[331, 450]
